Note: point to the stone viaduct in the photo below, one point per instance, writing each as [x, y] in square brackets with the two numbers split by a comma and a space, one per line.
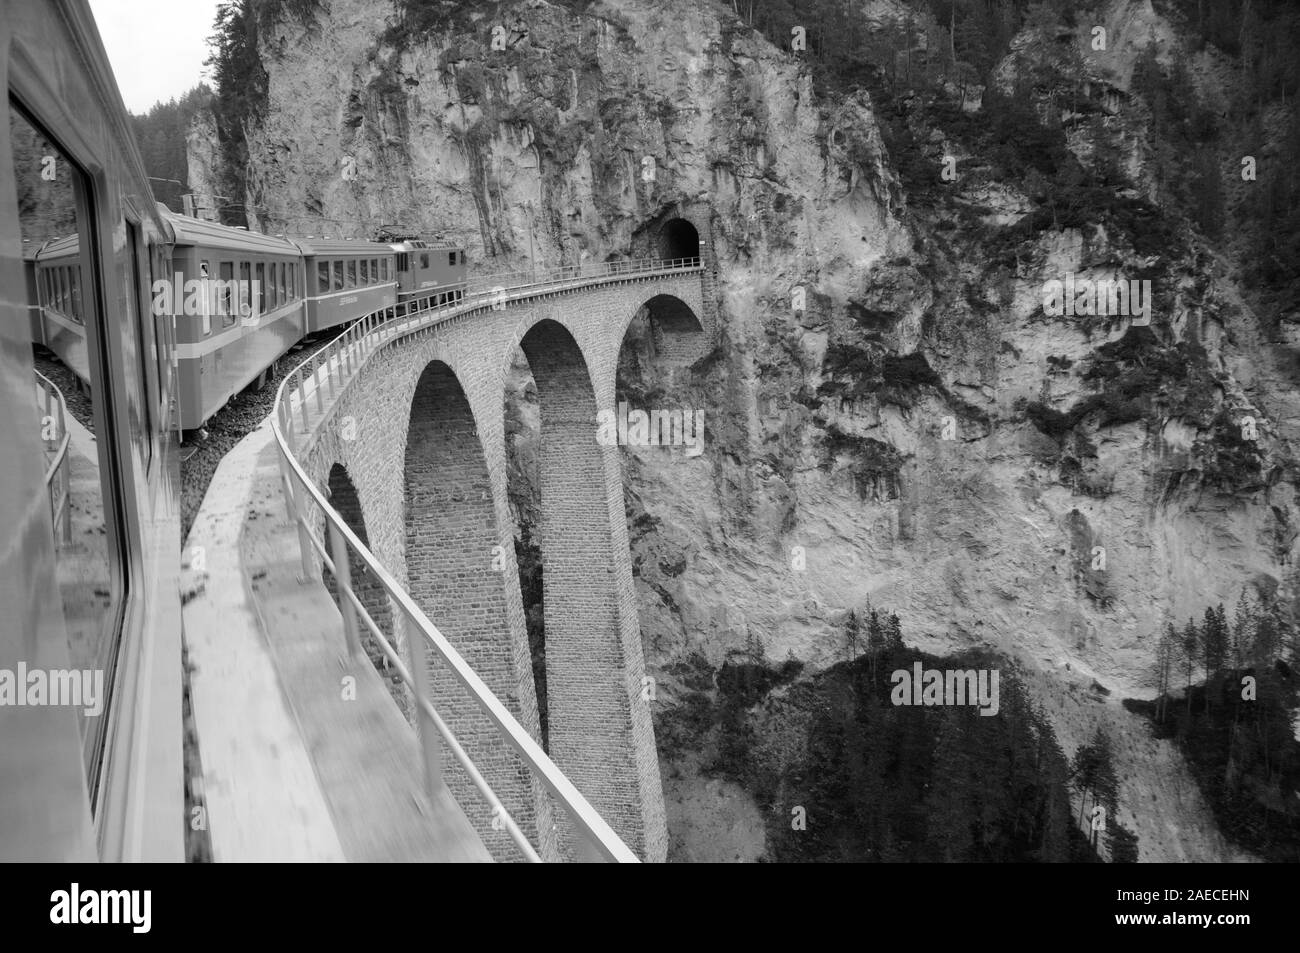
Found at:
[413, 454]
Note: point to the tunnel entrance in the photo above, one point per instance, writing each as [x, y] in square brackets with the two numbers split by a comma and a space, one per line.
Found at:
[678, 239]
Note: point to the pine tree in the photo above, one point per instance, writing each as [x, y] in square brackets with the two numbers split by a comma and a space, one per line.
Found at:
[875, 641]
[893, 634]
[1189, 644]
[1213, 645]
[1166, 656]
[851, 635]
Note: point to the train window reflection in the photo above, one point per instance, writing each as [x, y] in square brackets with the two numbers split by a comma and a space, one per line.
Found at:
[53, 203]
[227, 293]
[245, 276]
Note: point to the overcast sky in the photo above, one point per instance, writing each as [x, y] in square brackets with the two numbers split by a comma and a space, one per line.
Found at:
[157, 47]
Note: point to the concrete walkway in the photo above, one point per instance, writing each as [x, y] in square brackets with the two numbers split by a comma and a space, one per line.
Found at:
[295, 768]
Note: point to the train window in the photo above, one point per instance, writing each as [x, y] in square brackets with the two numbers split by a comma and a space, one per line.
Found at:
[204, 274]
[226, 299]
[336, 273]
[281, 292]
[383, 269]
[451, 258]
[293, 281]
[75, 290]
[139, 403]
[374, 269]
[403, 262]
[365, 272]
[163, 334]
[424, 259]
[352, 273]
[259, 287]
[83, 511]
[322, 276]
[245, 288]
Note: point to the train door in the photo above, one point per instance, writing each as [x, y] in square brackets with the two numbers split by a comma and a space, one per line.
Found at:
[64, 586]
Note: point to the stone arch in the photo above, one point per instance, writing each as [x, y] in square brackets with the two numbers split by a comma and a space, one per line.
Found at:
[343, 497]
[600, 732]
[679, 238]
[663, 334]
[456, 573]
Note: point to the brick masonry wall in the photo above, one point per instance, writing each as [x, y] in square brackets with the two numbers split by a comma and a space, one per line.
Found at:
[427, 459]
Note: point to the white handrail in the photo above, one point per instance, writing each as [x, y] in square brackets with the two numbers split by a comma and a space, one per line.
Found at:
[342, 360]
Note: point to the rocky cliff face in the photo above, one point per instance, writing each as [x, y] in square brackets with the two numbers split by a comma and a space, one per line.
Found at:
[880, 404]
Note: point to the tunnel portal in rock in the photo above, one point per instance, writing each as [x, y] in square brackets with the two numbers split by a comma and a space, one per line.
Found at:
[679, 239]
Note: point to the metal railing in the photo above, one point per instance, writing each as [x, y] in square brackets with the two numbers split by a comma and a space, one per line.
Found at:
[55, 437]
[333, 368]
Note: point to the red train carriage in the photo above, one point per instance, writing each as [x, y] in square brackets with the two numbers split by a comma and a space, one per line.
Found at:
[238, 299]
[63, 311]
[33, 292]
[346, 280]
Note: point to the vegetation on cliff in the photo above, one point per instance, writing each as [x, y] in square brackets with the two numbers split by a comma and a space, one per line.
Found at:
[845, 774]
[1236, 727]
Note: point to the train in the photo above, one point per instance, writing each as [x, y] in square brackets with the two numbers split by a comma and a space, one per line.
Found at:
[123, 326]
[90, 649]
[242, 299]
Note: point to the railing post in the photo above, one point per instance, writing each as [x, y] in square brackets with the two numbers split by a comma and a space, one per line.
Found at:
[302, 400]
[343, 579]
[430, 744]
[50, 444]
[304, 542]
[65, 480]
[317, 383]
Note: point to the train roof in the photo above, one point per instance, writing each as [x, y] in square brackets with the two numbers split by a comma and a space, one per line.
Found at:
[64, 247]
[314, 247]
[197, 232]
[417, 245]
